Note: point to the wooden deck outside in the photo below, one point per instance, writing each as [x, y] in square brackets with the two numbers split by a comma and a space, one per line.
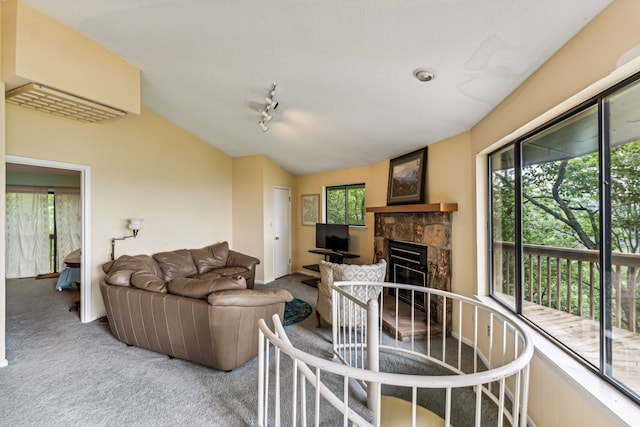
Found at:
[583, 336]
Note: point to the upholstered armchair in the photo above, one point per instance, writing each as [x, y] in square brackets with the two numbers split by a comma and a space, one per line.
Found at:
[330, 272]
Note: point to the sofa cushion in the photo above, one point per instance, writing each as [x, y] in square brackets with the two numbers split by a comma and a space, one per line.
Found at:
[176, 264]
[148, 281]
[213, 274]
[211, 257]
[201, 288]
[120, 270]
[230, 271]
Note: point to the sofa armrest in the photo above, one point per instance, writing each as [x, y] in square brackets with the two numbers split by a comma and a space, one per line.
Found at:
[239, 259]
[249, 297]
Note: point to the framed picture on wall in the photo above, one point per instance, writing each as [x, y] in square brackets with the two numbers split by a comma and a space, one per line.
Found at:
[310, 205]
[407, 178]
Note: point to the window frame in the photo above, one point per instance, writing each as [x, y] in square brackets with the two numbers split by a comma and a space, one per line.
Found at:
[604, 371]
[346, 188]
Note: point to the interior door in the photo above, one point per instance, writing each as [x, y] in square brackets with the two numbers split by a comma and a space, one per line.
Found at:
[281, 231]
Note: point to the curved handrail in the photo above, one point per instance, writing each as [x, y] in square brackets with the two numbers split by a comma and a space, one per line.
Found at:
[514, 352]
[443, 381]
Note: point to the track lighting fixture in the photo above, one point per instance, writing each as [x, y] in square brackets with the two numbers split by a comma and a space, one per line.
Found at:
[271, 104]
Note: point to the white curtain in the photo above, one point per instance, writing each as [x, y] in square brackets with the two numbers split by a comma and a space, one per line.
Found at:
[68, 222]
[27, 232]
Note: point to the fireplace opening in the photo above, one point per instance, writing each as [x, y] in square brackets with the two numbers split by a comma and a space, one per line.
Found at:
[408, 265]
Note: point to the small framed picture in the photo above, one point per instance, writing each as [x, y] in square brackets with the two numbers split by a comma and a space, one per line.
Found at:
[407, 178]
[310, 205]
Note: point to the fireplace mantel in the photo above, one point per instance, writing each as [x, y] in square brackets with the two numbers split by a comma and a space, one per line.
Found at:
[426, 207]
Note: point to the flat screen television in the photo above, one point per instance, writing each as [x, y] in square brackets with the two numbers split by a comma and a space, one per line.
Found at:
[334, 237]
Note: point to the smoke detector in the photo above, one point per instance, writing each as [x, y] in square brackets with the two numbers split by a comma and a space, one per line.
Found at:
[424, 74]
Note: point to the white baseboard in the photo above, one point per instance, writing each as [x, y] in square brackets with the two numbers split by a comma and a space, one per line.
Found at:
[4, 363]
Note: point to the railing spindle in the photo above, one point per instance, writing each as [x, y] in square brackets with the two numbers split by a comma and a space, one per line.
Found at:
[569, 286]
[618, 296]
[592, 284]
[631, 301]
[580, 288]
[548, 282]
[539, 259]
[558, 281]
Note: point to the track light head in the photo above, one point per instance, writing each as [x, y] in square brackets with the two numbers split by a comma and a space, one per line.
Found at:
[266, 115]
[271, 103]
[263, 126]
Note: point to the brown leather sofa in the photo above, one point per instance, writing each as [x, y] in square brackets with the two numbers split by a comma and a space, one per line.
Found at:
[189, 305]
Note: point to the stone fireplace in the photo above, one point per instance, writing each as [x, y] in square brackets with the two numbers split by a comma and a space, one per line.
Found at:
[427, 226]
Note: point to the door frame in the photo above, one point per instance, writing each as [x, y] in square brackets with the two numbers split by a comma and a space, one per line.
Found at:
[85, 192]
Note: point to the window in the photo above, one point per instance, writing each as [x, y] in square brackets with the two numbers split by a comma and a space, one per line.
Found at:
[345, 204]
[565, 232]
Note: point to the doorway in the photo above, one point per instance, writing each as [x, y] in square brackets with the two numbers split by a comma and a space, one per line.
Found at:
[24, 163]
[281, 231]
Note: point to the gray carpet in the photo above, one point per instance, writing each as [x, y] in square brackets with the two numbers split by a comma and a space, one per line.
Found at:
[62, 372]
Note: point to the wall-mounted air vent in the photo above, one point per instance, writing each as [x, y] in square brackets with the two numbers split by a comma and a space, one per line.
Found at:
[53, 101]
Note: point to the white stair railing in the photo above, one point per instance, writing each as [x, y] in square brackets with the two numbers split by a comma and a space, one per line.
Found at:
[498, 374]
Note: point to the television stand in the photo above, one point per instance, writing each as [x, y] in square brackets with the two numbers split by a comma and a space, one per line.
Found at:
[330, 256]
[334, 256]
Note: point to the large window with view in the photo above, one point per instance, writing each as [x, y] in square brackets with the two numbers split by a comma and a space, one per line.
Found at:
[345, 204]
[565, 231]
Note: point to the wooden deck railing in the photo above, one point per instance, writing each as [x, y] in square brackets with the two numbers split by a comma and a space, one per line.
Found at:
[569, 280]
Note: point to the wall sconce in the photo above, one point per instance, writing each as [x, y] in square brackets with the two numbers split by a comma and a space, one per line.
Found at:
[271, 104]
[135, 225]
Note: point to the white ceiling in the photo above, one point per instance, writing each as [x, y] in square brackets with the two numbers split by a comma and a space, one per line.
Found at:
[343, 67]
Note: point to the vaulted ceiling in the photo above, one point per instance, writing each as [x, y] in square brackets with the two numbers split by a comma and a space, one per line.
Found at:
[344, 68]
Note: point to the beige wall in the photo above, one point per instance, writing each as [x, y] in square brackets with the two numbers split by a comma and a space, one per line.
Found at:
[254, 178]
[451, 180]
[141, 166]
[361, 239]
[248, 199]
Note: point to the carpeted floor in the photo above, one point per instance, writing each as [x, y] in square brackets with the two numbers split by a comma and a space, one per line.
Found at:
[62, 372]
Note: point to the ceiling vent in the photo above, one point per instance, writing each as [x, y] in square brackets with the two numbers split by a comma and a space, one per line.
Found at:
[52, 101]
